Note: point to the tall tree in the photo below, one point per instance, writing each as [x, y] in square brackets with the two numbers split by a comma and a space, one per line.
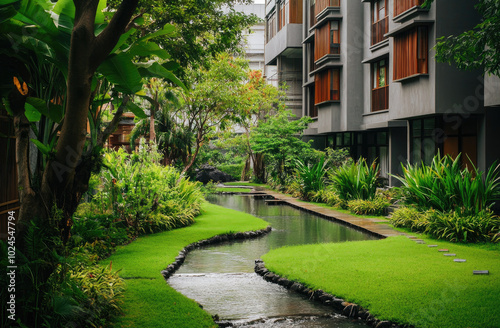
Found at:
[279, 139]
[215, 99]
[65, 176]
[203, 28]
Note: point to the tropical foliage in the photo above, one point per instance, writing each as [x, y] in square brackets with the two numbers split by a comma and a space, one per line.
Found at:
[357, 180]
[445, 186]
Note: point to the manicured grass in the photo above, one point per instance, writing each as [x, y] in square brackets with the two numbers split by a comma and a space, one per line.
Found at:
[243, 183]
[399, 280]
[149, 301]
[233, 190]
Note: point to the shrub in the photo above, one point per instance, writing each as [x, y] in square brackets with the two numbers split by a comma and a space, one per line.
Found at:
[311, 178]
[411, 218]
[453, 226]
[330, 197]
[146, 195]
[444, 186]
[357, 180]
[233, 170]
[377, 206]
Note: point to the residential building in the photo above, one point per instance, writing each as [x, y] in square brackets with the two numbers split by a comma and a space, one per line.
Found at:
[371, 84]
[283, 47]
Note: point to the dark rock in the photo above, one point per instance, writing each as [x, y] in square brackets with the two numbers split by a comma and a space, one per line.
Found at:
[370, 319]
[326, 298]
[351, 310]
[296, 287]
[363, 314]
[284, 282]
[269, 276]
[384, 324]
[337, 303]
[207, 173]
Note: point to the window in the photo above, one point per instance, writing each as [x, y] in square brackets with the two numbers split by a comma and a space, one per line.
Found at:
[327, 86]
[380, 85]
[327, 40]
[411, 52]
[294, 11]
[400, 6]
[334, 38]
[423, 145]
[312, 66]
[313, 109]
[282, 14]
[461, 138]
[312, 13]
[271, 26]
[380, 25]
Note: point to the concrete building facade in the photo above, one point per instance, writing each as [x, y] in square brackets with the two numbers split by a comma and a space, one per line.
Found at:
[371, 84]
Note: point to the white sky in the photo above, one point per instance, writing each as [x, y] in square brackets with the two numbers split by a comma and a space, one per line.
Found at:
[259, 1]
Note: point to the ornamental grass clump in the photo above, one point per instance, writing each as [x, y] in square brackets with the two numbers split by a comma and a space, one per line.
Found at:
[357, 180]
[375, 206]
[311, 177]
[446, 187]
[454, 226]
[411, 218]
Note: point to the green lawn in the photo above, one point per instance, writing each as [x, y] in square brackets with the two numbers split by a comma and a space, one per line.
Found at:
[399, 280]
[243, 183]
[233, 189]
[149, 301]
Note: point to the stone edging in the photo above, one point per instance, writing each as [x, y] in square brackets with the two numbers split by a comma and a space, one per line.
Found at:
[350, 310]
[171, 268]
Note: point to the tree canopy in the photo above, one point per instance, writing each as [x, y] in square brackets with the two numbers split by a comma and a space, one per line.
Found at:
[203, 28]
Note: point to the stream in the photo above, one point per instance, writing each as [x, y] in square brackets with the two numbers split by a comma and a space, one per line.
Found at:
[222, 280]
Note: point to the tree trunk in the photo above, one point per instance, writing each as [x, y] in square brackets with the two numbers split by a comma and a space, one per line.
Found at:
[66, 174]
[259, 170]
[246, 169]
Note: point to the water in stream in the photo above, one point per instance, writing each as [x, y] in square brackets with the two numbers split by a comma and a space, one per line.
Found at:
[221, 277]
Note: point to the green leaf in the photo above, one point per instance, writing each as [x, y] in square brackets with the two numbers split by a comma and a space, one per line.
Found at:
[32, 114]
[120, 70]
[44, 149]
[153, 69]
[145, 49]
[53, 111]
[167, 29]
[138, 111]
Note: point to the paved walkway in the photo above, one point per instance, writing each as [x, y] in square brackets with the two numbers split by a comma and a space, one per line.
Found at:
[369, 225]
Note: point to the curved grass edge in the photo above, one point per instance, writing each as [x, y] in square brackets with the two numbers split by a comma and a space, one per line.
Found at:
[398, 280]
[148, 300]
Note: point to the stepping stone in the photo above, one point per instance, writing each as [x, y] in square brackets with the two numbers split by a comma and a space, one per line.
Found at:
[481, 272]
[420, 242]
[450, 254]
[417, 240]
[412, 237]
[432, 245]
[444, 250]
[459, 260]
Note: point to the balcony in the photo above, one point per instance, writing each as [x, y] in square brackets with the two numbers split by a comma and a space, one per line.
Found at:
[380, 98]
[335, 48]
[379, 29]
[323, 4]
[400, 6]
